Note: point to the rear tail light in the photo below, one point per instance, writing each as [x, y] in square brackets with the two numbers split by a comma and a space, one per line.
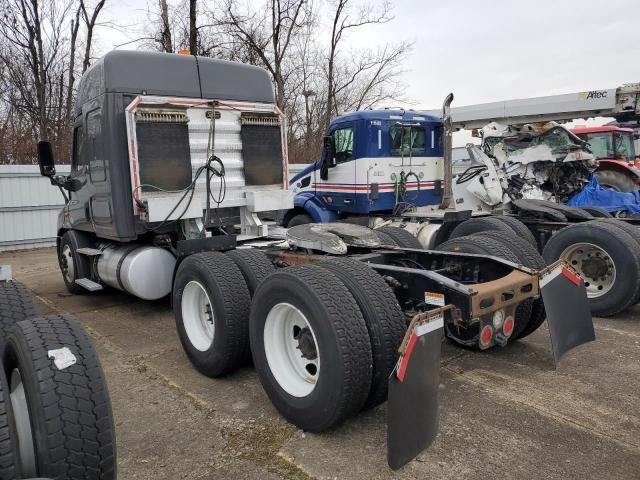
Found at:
[486, 335]
[507, 328]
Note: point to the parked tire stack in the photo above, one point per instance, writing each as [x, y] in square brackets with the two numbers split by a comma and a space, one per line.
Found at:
[55, 412]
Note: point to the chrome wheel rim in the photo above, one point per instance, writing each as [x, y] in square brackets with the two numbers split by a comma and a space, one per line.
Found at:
[595, 266]
[197, 316]
[22, 422]
[68, 268]
[292, 350]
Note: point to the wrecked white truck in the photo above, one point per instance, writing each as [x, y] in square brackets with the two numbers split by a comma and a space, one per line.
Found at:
[532, 162]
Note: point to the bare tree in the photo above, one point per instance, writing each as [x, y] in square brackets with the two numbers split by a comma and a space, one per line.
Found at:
[38, 58]
[166, 42]
[269, 35]
[34, 32]
[348, 17]
[368, 78]
[90, 23]
[193, 29]
[75, 26]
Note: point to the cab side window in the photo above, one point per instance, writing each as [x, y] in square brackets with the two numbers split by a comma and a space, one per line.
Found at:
[79, 158]
[94, 153]
[343, 138]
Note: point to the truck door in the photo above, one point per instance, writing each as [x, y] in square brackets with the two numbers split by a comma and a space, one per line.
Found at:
[338, 192]
[77, 208]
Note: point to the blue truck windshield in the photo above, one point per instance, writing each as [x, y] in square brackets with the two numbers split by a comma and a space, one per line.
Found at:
[407, 140]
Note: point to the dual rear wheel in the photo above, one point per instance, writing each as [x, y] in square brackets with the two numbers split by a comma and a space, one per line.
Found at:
[323, 338]
[606, 253]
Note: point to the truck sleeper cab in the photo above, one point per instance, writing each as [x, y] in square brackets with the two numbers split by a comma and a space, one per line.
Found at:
[166, 149]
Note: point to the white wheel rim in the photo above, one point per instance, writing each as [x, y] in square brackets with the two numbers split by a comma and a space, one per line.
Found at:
[197, 316]
[22, 422]
[595, 266]
[68, 269]
[291, 349]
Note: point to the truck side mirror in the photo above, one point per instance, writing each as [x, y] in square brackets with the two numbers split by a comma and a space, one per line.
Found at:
[45, 159]
[330, 149]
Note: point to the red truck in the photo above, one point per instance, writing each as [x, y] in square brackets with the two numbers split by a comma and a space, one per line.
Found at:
[614, 148]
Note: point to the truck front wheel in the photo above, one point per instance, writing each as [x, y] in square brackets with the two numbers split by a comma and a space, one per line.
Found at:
[619, 181]
[73, 265]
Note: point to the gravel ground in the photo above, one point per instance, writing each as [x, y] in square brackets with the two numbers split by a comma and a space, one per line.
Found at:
[504, 414]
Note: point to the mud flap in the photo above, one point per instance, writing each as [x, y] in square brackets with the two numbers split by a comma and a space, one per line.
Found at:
[412, 409]
[567, 307]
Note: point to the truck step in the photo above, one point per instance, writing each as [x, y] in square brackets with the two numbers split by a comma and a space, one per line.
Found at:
[89, 284]
[91, 252]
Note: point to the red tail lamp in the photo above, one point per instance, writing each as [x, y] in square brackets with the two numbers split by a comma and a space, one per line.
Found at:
[507, 328]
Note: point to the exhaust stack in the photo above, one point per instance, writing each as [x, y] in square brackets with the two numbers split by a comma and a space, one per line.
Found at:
[446, 135]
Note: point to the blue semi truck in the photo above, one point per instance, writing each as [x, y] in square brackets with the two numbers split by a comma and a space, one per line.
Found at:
[373, 162]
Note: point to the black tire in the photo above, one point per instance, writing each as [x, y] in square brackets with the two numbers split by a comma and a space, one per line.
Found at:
[382, 314]
[254, 265]
[621, 248]
[519, 228]
[634, 232]
[616, 180]
[8, 441]
[479, 224]
[299, 219]
[68, 404]
[15, 305]
[530, 258]
[597, 212]
[230, 302]
[81, 264]
[402, 238]
[343, 346]
[386, 239]
[484, 245]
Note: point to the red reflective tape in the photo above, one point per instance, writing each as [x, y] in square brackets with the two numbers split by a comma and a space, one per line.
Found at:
[402, 369]
[571, 276]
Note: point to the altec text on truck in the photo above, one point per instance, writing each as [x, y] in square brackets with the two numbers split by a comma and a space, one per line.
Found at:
[173, 158]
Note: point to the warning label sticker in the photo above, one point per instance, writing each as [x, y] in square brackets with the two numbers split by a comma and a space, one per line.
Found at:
[432, 298]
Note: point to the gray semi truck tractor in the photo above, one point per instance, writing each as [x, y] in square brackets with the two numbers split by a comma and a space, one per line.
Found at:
[174, 157]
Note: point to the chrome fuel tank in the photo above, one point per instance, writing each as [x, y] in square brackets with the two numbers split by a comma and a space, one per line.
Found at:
[145, 272]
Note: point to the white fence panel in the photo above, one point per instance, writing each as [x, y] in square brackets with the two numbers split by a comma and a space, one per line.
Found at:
[29, 207]
[295, 168]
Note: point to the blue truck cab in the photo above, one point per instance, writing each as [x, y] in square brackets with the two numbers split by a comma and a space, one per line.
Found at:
[372, 162]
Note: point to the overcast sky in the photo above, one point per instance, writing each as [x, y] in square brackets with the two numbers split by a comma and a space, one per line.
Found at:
[491, 50]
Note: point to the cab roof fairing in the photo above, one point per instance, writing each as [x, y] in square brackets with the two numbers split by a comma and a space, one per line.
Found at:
[173, 75]
[399, 115]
